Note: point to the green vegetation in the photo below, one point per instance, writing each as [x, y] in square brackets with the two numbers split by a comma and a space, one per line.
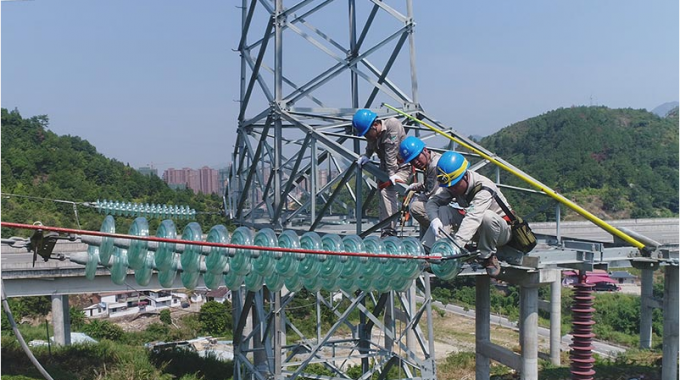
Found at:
[216, 318]
[39, 167]
[118, 355]
[165, 316]
[617, 163]
[109, 360]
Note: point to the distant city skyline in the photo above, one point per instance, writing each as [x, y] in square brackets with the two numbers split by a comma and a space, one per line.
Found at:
[204, 180]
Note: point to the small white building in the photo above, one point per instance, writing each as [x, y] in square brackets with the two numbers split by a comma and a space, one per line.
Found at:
[220, 295]
[119, 304]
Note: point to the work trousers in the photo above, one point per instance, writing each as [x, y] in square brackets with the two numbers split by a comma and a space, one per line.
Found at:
[494, 231]
[389, 204]
[417, 210]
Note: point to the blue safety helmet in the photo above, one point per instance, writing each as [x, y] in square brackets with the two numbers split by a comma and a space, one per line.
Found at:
[410, 148]
[362, 121]
[451, 168]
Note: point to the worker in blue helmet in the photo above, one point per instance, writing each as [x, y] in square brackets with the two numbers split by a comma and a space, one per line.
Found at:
[414, 151]
[479, 218]
[383, 138]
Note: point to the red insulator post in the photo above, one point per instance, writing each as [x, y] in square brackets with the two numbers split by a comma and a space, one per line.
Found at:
[582, 310]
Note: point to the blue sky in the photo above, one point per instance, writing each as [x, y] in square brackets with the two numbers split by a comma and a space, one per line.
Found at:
[156, 81]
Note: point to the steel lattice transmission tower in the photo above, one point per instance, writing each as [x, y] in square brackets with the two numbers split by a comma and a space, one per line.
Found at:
[305, 69]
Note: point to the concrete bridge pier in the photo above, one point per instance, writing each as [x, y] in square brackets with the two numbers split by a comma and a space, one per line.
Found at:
[669, 365]
[529, 328]
[646, 306]
[482, 326]
[555, 321]
[61, 320]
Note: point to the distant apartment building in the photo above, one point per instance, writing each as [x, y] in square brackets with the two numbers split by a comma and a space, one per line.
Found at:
[203, 180]
[148, 171]
[208, 178]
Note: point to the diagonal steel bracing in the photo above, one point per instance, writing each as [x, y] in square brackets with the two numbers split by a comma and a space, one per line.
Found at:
[346, 65]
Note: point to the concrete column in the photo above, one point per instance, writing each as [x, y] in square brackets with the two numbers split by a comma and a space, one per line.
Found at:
[61, 320]
[529, 336]
[669, 366]
[411, 341]
[555, 321]
[646, 309]
[482, 326]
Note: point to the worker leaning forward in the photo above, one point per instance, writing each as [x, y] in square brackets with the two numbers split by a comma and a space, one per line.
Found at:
[413, 151]
[383, 138]
[479, 217]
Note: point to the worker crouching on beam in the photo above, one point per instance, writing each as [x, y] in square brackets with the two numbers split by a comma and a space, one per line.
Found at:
[479, 219]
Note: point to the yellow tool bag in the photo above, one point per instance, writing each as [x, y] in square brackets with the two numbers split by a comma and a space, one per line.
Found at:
[522, 239]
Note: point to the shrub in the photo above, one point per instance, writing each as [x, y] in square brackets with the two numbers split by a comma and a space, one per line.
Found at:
[165, 317]
[103, 330]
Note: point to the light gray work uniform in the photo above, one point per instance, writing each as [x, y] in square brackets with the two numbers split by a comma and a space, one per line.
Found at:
[482, 220]
[386, 146]
[426, 189]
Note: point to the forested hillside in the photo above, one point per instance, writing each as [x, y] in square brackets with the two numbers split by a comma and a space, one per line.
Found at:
[39, 167]
[616, 163]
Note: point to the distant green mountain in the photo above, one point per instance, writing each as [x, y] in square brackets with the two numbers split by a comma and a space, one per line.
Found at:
[616, 163]
[42, 172]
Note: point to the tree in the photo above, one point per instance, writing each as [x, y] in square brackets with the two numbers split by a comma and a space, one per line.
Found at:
[229, 310]
[77, 318]
[165, 316]
[213, 317]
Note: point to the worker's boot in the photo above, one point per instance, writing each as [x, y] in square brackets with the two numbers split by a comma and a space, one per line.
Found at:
[492, 266]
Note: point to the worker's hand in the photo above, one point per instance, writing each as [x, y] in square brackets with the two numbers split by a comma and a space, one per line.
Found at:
[413, 187]
[395, 178]
[435, 225]
[361, 161]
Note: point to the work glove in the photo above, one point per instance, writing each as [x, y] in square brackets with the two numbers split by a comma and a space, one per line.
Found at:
[413, 187]
[394, 179]
[361, 161]
[435, 225]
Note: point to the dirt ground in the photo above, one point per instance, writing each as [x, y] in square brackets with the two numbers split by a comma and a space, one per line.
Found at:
[139, 322]
[453, 333]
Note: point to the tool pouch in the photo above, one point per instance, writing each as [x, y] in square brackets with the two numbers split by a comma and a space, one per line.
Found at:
[523, 239]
